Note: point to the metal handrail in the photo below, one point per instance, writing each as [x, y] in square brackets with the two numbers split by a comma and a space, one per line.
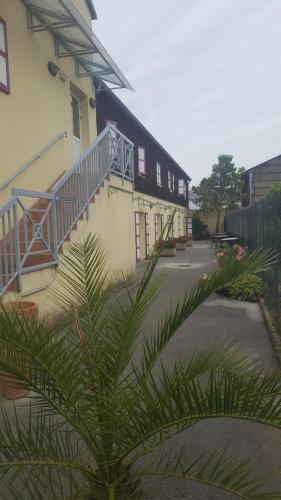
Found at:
[78, 162]
[38, 155]
[24, 229]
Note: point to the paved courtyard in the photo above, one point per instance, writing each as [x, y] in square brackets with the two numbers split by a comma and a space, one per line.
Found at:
[217, 318]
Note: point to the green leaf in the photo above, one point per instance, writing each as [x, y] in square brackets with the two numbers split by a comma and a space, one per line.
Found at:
[216, 468]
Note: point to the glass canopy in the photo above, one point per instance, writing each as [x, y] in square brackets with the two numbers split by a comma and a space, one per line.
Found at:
[74, 38]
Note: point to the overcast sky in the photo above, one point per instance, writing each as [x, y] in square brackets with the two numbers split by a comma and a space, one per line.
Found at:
[206, 74]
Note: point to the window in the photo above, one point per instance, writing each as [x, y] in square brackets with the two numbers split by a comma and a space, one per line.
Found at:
[173, 182]
[169, 181]
[158, 174]
[4, 67]
[181, 187]
[141, 160]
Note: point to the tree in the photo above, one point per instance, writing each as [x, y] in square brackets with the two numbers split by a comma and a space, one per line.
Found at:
[222, 189]
[96, 418]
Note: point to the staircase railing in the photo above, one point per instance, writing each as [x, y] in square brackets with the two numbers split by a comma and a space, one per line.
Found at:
[31, 237]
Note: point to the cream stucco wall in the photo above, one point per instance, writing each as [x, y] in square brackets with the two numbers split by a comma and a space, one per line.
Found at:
[38, 107]
[148, 204]
[211, 220]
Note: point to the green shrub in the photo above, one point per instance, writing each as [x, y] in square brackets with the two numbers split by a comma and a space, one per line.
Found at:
[274, 193]
[246, 287]
[199, 228]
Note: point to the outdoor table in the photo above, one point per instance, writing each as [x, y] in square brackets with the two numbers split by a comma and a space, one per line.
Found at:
[216, 239]
[230, 240]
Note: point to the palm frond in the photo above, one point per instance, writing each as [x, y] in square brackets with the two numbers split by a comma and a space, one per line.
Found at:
[176, 401]
[83, 278]
[36, 445]
[54, 361]
[216, 468]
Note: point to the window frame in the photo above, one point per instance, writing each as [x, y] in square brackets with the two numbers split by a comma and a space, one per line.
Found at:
[173, 183]
[140, 161]
[5, 88]
[158, 174]
[169, 181]
[181, 187]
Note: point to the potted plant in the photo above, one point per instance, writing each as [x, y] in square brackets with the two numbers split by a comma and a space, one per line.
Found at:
[10, 385]
[168, 248]
[181, 243]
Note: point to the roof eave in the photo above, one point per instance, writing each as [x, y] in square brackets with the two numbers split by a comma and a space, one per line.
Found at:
[68, 4]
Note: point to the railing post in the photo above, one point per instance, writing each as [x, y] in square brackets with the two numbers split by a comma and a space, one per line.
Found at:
[55, 228]
[17, 247]
[122, 159]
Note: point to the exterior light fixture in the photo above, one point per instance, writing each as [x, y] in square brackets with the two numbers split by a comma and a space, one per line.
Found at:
[53, 68]
[92, 103]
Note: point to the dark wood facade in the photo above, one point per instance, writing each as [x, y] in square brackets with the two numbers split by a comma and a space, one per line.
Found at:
[258, 180]
[110, 108]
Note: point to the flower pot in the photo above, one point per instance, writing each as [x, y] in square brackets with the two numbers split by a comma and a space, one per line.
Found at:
[181, 246]
[9, 384]
[168, 252]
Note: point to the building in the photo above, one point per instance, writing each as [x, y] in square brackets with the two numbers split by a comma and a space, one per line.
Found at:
[160, 184]
[259, 179]
[61, 176]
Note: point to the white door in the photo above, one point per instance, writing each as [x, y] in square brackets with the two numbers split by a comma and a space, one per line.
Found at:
[76, 127]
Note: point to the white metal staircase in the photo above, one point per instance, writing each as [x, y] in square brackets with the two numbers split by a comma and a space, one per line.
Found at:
[31, 238]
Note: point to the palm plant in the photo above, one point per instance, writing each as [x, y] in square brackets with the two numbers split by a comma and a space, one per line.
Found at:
[96, 418]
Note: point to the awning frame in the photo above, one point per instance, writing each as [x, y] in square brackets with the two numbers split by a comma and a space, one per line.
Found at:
[68, 46]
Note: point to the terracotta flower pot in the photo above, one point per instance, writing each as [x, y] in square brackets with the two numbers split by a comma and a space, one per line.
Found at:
[9, 383]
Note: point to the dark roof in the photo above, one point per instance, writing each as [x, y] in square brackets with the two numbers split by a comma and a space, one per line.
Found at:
[92, 9]
[263, 164]
[139, 124]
